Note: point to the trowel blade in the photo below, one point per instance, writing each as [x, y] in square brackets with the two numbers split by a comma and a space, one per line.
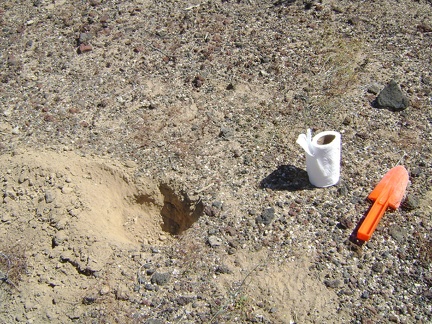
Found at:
[393, 183]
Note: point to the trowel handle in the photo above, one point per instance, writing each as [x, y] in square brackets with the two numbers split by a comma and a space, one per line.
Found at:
[372, 219]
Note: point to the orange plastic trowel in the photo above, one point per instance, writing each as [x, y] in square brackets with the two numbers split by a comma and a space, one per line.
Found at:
[389, 192]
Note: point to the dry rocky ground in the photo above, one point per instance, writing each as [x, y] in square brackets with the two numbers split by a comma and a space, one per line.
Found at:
[150, 173]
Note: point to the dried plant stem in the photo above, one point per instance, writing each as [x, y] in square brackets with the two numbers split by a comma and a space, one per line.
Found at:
[235, 293]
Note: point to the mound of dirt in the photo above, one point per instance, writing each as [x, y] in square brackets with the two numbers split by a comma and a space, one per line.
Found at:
[71, 213]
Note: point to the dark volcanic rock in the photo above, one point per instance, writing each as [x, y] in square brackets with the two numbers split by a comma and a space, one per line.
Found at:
[392, 97]
[266, 216]
[160, 278]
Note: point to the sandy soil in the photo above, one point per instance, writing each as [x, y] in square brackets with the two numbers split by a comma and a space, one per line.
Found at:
[143, 143]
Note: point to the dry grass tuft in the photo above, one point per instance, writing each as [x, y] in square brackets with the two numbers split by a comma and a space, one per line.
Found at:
[13, 264]
[335, 73]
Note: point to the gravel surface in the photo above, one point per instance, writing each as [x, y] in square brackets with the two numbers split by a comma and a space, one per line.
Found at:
[150, 172]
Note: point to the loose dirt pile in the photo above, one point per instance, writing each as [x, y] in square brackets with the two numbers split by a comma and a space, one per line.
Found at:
[66, 215]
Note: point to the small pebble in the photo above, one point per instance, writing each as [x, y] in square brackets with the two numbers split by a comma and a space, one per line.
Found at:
[149, 287]
[84, 48]
[218, 204]
[346, 223]
[122, 292]
[398, 233]
[104, 290]
[266, 216]
[15, 130]
[59, 238]
[160, 278]
[374, 88]
[214, 241]
[49, 196]
[84, 37]
[67, 190]
[222, 269]
[210, 211]
[333, 283]
[378, 267]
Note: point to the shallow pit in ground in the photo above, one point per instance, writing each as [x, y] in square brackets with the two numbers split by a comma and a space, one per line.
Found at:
[94, 199]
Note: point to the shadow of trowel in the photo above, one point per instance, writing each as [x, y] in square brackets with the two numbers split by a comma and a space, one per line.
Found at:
[353, 237]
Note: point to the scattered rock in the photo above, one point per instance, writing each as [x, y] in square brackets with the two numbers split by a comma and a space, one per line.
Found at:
[198, 81]
[104, 21]
[214, 241]
[266, 216]
[12, 61]
[15, 130]
[143, 125]
[49, 196]
[378, 267]
[416, 172]
[333, 283]
[265, 59]
[95, 3]
[122, 292]
[160, 278]
[226, 132]
[218, 204]
[88, 300]
[5, 218]
[104, 290]
[374, 88]
[75, 313]
[230, 86]
[210, 211]
[67, 190]
[428, 294]
[30, 305]
[222, 269]
[347, 121]
[346, 223]
[183, 300]
[424, 28]
[155, 250]
[84, 38]
[354, 21]
[59, 238]
[130, 164]
[149, 287]
[98, 255]
[392, 97]
[411, 202]
[154, 321]
[347, 292]
[84, 48]
[213, 231]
